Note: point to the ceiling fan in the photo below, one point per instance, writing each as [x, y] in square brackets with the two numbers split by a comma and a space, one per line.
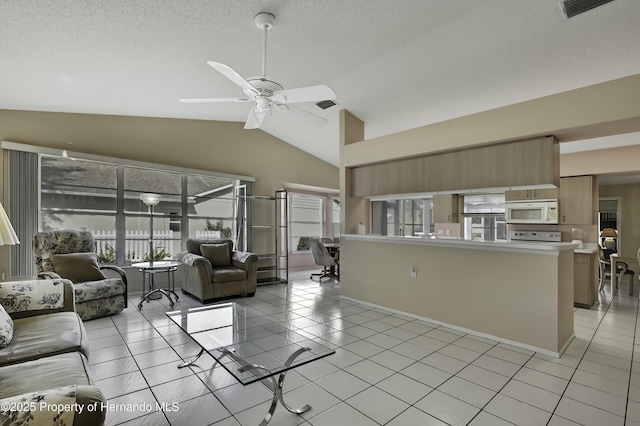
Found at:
[269, 95]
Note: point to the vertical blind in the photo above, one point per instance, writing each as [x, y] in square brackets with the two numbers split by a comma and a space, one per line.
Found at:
[23, 195]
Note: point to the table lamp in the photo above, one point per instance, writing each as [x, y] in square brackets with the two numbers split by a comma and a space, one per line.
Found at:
[609, 234]
[7, 234]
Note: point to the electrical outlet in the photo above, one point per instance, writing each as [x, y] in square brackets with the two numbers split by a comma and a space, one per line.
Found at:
[414, 272]
[448, 231]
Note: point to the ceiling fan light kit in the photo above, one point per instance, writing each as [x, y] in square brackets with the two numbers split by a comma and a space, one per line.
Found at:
[269, 95]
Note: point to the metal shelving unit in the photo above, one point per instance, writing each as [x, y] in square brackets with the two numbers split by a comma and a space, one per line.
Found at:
[270, 241]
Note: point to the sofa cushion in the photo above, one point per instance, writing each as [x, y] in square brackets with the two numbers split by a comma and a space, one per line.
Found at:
[77, 267]
[218, 254]
[225, 274]
[53, 372]
[6, 328]
[44, 373]
[44, 335]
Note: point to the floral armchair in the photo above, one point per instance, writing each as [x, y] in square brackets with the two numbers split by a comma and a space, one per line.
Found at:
[70, 254]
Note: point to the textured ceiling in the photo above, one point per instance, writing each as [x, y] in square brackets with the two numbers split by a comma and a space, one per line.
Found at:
[394, 64]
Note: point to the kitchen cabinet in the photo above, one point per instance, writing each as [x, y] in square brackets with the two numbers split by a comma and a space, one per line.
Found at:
[445, 207]
[512, 164]
[578, 195]
[584, 284]
[532, 194]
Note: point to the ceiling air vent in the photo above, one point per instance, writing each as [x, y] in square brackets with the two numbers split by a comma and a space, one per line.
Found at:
[571, 8]
[326, 104]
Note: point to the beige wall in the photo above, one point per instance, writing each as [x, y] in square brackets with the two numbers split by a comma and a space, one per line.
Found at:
[206, 145]
[598, 110]
[602, 161]
[517, 296]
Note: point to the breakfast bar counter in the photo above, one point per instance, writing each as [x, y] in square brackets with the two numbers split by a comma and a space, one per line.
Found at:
[517, 292]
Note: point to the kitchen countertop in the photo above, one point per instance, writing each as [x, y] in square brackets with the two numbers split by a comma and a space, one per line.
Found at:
[535, 247]
[588, 248]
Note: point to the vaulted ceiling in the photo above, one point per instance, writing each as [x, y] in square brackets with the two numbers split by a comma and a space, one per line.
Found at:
[394, 64]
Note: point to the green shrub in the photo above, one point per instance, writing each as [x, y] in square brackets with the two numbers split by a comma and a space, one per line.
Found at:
[304, 243]
[225, 231]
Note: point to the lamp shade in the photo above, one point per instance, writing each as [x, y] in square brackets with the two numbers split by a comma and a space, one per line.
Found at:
[7, 234]
[609, 233]
[150, 199]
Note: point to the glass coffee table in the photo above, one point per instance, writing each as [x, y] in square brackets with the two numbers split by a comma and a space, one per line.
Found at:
[250, 346]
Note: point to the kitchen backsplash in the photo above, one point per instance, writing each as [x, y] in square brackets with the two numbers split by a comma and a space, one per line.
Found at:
[590, 231]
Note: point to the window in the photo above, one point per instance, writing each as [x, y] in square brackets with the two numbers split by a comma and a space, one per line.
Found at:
[484, 217]
[168, 186]
[335, 215]
[104, 198]
[306, 220]
[71, 196]
[209, 207]
[402, 217]
[80, 194]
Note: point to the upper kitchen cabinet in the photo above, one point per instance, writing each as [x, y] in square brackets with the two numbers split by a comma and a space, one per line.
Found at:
[445, 208]
[532, 194]
[533, 162]
[578, 196]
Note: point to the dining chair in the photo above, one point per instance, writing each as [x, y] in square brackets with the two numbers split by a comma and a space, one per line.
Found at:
[622, 269]
[321, 256]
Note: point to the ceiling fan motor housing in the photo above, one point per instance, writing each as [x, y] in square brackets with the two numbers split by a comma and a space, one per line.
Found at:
[265, 87]
[264, 20]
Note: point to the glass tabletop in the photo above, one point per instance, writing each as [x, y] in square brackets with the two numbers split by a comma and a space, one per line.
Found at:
[157, 264]
[246, 343]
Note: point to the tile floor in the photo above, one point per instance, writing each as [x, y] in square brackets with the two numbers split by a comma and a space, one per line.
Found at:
[388, 369]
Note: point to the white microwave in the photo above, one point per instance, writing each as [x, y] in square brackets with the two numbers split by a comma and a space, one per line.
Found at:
[532, 211]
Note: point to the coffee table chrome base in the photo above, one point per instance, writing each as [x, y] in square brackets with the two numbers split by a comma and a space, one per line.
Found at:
[158, 292]
[276, 387]
[189, 363]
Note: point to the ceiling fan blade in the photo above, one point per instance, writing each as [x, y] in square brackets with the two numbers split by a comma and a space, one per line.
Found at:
[308, 117]
[230, 73]
[304, 94]
[254, 121]
[209, 100]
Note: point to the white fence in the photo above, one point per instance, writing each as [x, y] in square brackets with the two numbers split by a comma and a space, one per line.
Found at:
[207, 234]
[136, 244]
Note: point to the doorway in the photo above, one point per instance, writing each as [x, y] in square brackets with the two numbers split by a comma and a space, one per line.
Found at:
[609, 219]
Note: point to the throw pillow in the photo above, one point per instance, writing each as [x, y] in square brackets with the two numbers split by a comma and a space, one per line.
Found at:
[218, 254]
[77, 267]
[6, 328]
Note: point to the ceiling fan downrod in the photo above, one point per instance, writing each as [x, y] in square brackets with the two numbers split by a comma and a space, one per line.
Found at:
[264, 21]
